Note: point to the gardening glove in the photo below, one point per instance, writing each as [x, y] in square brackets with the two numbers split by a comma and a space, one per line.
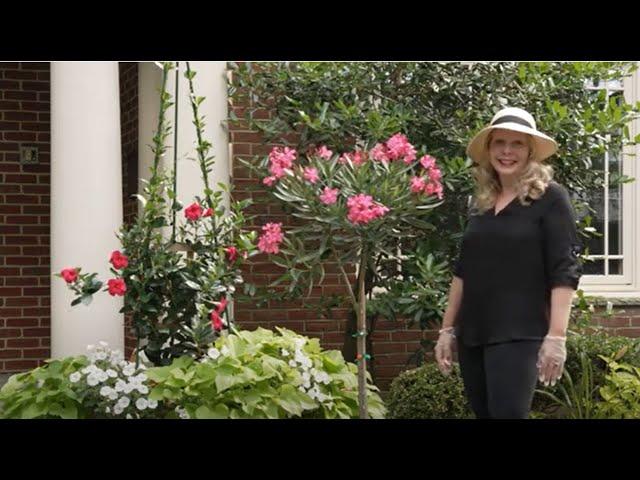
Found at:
[551, 358]
[444, 350]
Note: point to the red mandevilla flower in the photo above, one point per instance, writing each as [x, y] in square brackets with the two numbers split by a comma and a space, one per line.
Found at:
[193, 212]
[117, 287]
[118, 260]
[70, 275]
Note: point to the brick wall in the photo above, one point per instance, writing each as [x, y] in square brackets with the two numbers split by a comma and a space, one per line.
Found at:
[24, 217]
[129, 135]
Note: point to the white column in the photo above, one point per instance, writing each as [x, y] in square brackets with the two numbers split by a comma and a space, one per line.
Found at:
[209, 82]
[86, 200]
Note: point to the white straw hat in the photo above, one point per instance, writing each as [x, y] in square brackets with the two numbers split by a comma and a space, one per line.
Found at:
[518, 120]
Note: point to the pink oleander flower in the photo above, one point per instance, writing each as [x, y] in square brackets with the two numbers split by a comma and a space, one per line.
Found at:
[427, 161]
[344, 158]
[329, 196]
[281, 159]
[324, 152]
[380, 153]
[362, 209]
[398, 146]
[232, 253]
[311, 174]
[435, 174]
[118, 260]
[417, 184]
[359, 157]
[434, 187]
[193, 212]
[69, 275]
[271, 238]
[269, 180]
[117, 287]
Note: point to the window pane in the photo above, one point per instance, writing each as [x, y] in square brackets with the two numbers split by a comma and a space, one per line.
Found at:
[615, 267]
[593, 267]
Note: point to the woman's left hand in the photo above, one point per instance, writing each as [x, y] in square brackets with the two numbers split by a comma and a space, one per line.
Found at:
[551, 358]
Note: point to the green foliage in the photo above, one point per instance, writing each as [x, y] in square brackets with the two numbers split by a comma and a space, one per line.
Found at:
[585, 370]
[621, 393]
[173, 284]
[262, 374]
[425, 393]
[44, 392]
[441, 105]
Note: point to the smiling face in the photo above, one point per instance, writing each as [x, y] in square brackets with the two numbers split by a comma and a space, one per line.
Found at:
[509, 152]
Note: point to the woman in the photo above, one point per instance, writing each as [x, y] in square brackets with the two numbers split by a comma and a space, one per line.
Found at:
[516, 274]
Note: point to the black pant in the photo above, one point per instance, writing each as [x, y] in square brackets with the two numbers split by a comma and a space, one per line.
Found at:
[500, 379]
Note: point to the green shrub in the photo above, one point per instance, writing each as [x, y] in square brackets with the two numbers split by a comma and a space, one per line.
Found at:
[592, 345]
[262, 374]
[425, 393]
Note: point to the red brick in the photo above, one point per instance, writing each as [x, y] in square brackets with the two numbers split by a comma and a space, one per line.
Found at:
[40, 189]
[22, 302]
[35, 230]
[21, 219]
[9, 147]
[20, 95]
[268, 315]
[389, 372]
[246, 137]
[21, 116]
[406, 335]
[39, 291]
[9, 85]
[19, 365]
[36, 86]
[333, 337]
[9, 209]
[22, 199]
[10, 292]
[10, 332]
[35, 210]
[37, 353]
[7, 126]
[10, 353]
[5, 105]
[36, 332]
[321, 326]
[389, 348]
[9, 250]
[21, 240]
[20, 75]
[393, 359]
[7, 312]
[10, 189]
[22, 281]
[42, 251]
[35, 312]
[9, 167]
[241, 148]
[40, 66]
[615, 322]
[380, 336]
[21, 178]
[36, 271]
[23, 342]
[628, 332]
[23, 322]
[36, 106]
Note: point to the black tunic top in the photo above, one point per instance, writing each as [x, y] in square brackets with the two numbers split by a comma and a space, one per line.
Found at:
[509, 263]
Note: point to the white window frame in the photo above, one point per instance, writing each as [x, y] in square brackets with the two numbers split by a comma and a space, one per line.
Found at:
[626, 285]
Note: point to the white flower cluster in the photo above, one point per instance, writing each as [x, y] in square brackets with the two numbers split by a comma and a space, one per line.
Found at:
[311, 377]
[182, 413]
[116, 384]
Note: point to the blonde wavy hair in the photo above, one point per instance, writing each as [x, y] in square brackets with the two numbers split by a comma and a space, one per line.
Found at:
[532, 183]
